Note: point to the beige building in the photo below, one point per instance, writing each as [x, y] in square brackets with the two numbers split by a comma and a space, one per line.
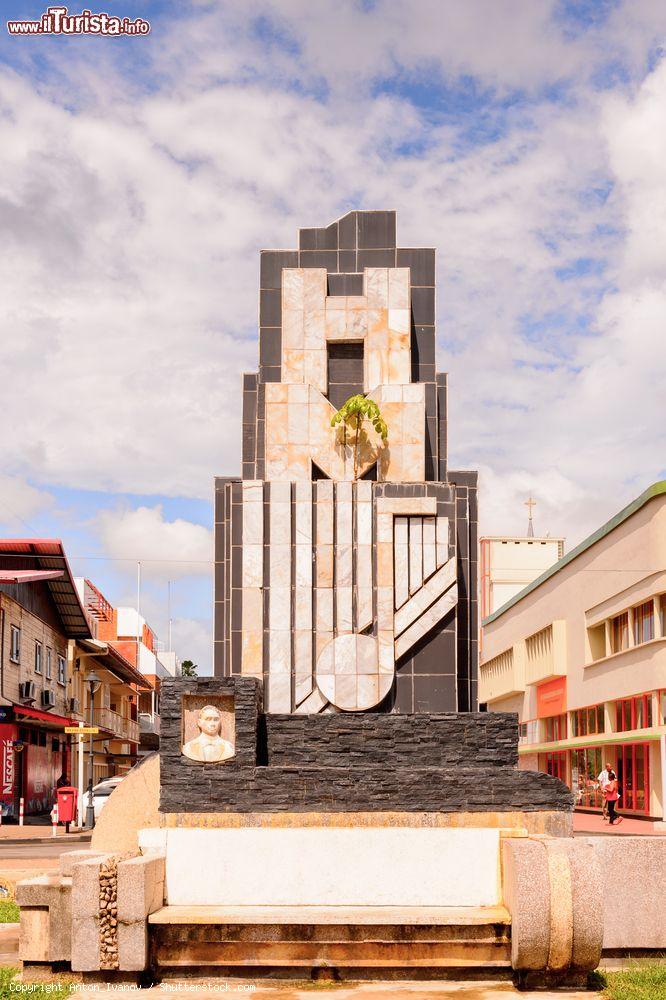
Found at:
[508, 564]
[580, 655]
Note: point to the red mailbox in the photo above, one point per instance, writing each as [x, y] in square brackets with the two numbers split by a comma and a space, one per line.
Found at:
[67, 797]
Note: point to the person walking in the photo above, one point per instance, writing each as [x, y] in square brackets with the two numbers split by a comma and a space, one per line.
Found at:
[602, 778]
[611, 796]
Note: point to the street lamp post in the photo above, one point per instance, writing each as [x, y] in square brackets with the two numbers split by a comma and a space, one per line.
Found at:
[94, 683]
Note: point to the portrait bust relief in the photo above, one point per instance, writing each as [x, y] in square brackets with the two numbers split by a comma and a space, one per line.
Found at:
[209, 747]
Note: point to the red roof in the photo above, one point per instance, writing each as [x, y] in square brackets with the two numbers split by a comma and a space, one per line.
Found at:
[49, 554]
[28, 575]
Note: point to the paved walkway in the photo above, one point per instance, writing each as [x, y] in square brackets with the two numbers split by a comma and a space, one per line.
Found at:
[590, 824]
[361, 991]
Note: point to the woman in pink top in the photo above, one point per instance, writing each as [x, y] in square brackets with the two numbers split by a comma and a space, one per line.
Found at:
[611, 796]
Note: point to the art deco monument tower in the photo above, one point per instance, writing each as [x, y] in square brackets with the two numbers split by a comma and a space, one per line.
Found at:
[341, 591]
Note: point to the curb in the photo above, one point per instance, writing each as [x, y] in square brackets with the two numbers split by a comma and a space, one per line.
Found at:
[26, 841]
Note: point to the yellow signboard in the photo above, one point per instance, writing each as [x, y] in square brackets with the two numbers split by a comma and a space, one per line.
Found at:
[82, 730]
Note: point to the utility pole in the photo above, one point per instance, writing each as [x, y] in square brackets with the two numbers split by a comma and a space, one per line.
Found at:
[169, 611]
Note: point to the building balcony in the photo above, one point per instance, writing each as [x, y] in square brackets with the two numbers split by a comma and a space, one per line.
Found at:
[546, 653]
[117, 725]
[149, 723]
[504, 675]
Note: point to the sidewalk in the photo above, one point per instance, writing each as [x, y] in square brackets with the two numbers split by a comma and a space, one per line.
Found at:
[39, 832]
[590, 824]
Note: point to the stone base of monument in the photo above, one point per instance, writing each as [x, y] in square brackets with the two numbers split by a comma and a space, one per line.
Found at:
[327, 845]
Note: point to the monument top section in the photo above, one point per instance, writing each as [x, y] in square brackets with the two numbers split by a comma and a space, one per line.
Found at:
[347, 551]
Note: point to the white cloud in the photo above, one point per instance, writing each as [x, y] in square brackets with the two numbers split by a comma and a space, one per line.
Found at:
[166, 549]
[19, 502]
[192, 640]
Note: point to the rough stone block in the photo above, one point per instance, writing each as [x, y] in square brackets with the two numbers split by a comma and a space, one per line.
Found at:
[140, 887]
[526, 887]
[46, 916]
[85, 888]
[133, 946]
[71, 858]
[634, 907]
[85, 944]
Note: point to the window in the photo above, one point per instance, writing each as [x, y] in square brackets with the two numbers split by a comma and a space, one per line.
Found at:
[644, 622]
[556, 728]
[588, 721]
[597, 639]
[48, 663]
[61, 669]
[620, 632]
[528, 732]
[38, 657]
[14, 644]
[633, 713]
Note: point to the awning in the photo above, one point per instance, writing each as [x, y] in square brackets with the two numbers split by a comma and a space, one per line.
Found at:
[113, 660]
[28, 575]
[34, 713]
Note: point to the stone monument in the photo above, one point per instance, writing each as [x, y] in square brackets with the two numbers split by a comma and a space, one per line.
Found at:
[330, 799]
[348, 582]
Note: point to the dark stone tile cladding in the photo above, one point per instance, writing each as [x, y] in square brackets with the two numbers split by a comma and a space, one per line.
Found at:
[369, 763]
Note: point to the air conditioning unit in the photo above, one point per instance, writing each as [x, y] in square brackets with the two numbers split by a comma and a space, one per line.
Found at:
[48, 698]
[27, 691]
[74, 705]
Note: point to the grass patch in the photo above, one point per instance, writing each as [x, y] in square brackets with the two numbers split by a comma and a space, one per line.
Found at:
[641, 981]
[10, 987]
[9, 912]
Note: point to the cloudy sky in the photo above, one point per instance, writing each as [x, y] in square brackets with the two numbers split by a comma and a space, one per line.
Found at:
[140, 177]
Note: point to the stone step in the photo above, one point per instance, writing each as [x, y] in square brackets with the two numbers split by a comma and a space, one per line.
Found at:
[330, 936]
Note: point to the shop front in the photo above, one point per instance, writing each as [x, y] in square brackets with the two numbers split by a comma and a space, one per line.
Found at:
[631, 763]
[34, 753]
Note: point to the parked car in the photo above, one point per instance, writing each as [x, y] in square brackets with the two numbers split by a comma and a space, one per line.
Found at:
[102, 791]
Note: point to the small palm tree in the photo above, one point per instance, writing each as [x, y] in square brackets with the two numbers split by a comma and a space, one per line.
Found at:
[352, 415]
[188, 669]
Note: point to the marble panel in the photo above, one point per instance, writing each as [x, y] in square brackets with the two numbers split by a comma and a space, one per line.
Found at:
[253, 566]
[293, 288]
[280, 523]
[413, 423]
[314, 288]
[398, 288]
[366, 657]
[384, 524]
[292, 366]
[336, 324]
[442, 540]
[303, 567]
[324, 609]
[399, 361]
[356, 303]
[277, 462]
[345, 654]
[385, 560]
[279, 651]
[302, 689]
[413, 460]
[316, 370]
[253, 608]
[299, 462]
[293, 330]
[401, 560]
[414, 393]
[324, 490]
[363, 523]
[302, 663]
[314, 330]
[426, 622]
[303, 608]
[415, 554]
[336, 303]
[252, 653]
[364, 614]
[253, 522]
[356, 327]
[376, 285]
[345, 691]
[384, 608]
[367, 690]
[343, 609]
[298, 424]
[324, 565]
[279, 607]
[280, 561]
[386, 653]
[344, 568]
[313, 704]
[298, 394]
[277, 416]
[279, 693]
[399, 322]
[427, 595]
[326, 659]
[276, 392]
[429, 542]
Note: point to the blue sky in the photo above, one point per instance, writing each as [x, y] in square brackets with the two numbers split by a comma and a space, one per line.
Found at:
[140, 177]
